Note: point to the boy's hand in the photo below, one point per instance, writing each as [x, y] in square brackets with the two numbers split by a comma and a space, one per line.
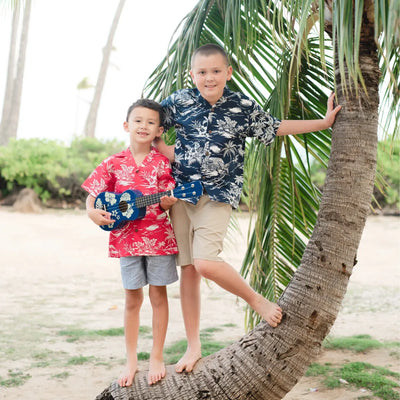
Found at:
[167, 150]
[99, 216]
[166, 202]
[331, 111]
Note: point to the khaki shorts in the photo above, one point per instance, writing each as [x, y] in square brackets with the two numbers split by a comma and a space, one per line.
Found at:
[200, 229]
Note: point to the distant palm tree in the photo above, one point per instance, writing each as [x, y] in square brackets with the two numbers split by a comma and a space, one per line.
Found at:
[91, 120]
[284, 64]
[15, 72]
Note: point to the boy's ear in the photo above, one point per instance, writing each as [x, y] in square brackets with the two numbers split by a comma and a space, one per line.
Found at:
[125, 125]
[160, 131]
[230, 72]
[192, 76]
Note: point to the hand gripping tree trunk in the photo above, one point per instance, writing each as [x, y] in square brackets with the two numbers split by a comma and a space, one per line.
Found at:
[267, 362]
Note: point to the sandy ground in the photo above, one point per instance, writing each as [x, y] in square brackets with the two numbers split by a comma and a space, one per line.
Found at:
[55, 275]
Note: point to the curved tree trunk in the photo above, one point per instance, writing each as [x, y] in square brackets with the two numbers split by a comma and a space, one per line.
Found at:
[15, 76]
[267, 362]
[90, 126]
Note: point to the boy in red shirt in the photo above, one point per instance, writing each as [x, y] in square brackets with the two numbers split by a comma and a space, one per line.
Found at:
[146, 247]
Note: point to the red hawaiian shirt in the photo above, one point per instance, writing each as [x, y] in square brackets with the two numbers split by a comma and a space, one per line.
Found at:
[153, 234]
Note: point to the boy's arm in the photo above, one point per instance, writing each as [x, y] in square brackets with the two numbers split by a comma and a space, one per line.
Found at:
[167, 150]
[97, 215]
[294, 127]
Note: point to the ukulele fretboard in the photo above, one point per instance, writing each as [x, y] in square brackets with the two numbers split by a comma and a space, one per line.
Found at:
[143, 201]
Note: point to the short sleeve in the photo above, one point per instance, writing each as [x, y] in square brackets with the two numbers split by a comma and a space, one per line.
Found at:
[263, 126]
[165, 179]
[100, 180]
[169, 108]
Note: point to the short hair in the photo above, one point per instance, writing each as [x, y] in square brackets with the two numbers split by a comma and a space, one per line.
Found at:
[209, 49]
[147, 103]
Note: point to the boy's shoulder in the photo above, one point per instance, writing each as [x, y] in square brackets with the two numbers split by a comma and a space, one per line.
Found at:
[116, 156]
[158, 157]
[181, 96]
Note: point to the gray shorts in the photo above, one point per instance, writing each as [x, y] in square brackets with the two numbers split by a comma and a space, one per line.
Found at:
[138, 271]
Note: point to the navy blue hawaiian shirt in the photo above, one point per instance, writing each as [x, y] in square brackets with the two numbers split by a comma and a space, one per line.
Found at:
[210, 140]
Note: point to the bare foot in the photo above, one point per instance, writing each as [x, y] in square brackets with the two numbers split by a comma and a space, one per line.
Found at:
[156, 370]
[271, 312]
[126, 378]
[189, 360]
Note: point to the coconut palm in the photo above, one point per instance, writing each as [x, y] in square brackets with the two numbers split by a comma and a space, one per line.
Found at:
[91, 120]
[281, 52]
[15, 71]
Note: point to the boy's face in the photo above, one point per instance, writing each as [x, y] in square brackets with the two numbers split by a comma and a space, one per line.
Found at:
[143, 125]
[210, 74]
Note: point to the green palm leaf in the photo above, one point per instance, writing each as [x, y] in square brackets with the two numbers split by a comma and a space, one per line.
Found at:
[283, 59]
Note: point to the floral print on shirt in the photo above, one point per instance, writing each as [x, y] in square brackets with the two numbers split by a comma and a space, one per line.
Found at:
[153, 234]
[210, 140]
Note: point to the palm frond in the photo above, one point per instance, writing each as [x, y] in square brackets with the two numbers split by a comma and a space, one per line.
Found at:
[285, 64]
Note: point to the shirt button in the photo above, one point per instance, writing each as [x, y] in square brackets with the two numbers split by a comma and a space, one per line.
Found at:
[207, 153]
[209, 131]
[136, 230]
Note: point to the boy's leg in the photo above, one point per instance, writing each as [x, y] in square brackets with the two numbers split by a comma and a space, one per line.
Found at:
[189, 286]
[191, 305]
[210, 221]
[229, 279]
[133, 302]
[159, 303]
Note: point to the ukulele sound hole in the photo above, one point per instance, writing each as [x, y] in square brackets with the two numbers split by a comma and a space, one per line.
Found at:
[123, 206]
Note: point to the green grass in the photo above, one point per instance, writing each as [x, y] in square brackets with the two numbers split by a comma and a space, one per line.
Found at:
[357, 343]
[316, 369]
[175, 351]
[143, 355]
[74, 335]
[382, 382]
[376, 379]
[61, 375]
[360, 375]
[80, 360]
[15, 378]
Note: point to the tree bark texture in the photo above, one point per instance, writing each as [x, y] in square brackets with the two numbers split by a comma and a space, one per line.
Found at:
[267, 362]
[15, 76]
[90, 126]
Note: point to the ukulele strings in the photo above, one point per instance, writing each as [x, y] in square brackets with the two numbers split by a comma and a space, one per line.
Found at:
[155, 196]
[134, 202]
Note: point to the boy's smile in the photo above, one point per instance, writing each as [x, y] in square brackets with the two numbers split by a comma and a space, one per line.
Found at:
[143, 125]
[210, 74]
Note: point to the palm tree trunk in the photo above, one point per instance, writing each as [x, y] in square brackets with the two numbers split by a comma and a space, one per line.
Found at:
[267, 362]
[15, 76]
[90, 126]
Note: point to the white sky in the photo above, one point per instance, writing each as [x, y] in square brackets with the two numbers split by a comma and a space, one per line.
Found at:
[65, 45]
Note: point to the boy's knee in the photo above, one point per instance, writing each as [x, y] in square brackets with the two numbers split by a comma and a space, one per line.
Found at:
[133, 299]
[205, 268]
[158, 295]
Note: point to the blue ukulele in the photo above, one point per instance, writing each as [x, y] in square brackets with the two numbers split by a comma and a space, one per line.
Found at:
[131, 204]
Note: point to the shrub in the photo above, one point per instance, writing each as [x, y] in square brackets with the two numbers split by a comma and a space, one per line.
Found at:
[52, 169]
